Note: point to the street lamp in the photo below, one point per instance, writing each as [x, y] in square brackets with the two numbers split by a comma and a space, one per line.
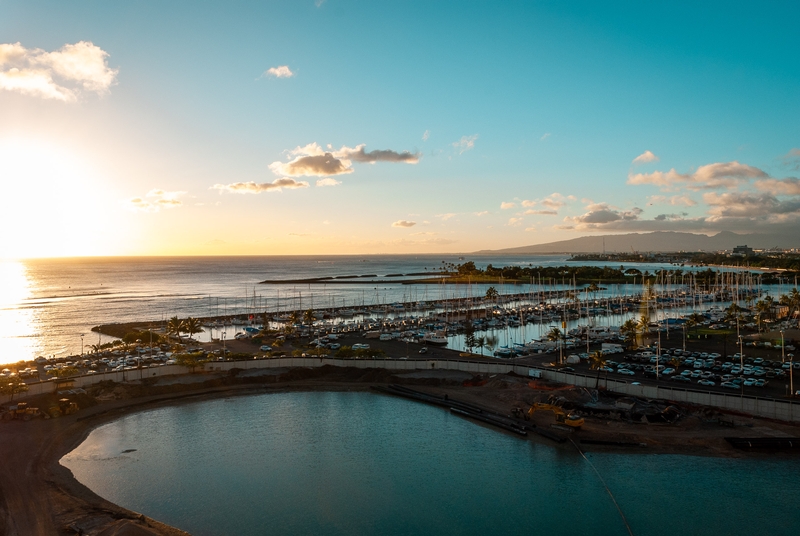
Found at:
[81, 344]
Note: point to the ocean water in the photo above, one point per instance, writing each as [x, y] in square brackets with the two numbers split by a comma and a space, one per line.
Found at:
[48, 306]
[362, 463]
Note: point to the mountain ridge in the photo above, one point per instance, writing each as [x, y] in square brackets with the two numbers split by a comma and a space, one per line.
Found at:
[654, 242]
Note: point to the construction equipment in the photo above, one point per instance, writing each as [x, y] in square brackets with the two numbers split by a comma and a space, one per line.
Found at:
[65, 407]
[21, 412]
[562, 417]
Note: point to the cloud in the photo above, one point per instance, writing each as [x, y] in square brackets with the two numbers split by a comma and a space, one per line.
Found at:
[359, 155]
[749, 205]
[675, 200]
[553, 202]
[482, 213]
[281, 71]
[319, 3]
[426, 135]
[328, 182]
[787, 186]
[644, 158]
[792, 159]
[514, 222]
[314, 161]
[505, 205]
[446, 216]
[545, 136]
[602, 213]
[717, 175]
[530, 229]
[542, 212]
[465, 144]
[64, 74]
[255, 188]
[404, 223]
[154, 200]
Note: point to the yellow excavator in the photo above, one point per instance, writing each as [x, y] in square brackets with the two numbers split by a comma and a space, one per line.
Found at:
[21, 412]
[562, 417]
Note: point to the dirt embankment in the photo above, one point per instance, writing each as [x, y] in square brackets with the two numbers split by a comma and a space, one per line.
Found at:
[39, 496]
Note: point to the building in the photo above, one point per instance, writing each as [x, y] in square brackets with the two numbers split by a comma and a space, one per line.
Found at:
[743, 251]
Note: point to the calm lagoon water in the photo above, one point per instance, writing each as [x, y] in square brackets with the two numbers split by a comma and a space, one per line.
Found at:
[361, 463]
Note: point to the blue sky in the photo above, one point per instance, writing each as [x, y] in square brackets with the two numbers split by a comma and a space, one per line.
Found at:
[157, 127]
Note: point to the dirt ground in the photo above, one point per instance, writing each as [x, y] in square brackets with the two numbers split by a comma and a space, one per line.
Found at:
[39, 496]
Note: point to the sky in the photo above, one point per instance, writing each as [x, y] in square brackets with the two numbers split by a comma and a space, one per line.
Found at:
[355, 127]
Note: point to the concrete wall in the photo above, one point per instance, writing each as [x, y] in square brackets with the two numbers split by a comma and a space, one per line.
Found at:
[766, 407]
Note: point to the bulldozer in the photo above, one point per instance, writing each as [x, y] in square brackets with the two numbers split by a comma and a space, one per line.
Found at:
[64, 407]
[21, 412]
[562, 417]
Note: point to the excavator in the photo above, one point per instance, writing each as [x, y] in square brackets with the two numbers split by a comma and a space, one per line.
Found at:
[562, 417]
[65, 407]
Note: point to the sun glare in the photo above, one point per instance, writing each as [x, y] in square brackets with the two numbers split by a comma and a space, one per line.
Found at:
[51, 203]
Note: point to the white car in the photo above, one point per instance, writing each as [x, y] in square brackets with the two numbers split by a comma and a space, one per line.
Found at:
[626, 372]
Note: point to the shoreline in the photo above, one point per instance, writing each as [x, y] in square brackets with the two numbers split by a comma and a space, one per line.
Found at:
[40, 496]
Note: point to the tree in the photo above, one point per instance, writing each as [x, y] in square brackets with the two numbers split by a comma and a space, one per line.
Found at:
[492, 294]
[480, 342]
[597, 361]
[191, 360]
[175, 327]
[294, 317]
[490, 341]
[308, 317]
[629, 330]
[192, 326]
[12, 386]
[554, 334]
[469, 336]
[63, 372]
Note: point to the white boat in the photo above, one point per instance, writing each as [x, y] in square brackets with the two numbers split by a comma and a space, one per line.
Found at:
[434, 337]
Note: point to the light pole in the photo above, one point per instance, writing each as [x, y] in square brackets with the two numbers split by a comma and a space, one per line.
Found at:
[81, 345]
[684, 336]
[224, 352]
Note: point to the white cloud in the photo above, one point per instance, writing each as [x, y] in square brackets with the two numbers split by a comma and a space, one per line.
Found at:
[530, 229]
[64, 74]
[787, 186]
[281, 71]
[155, 200]
[505, 205]
[426, 135]
[446, 216]
[319, 3]
[542, 212]
[717, 175]
[314, 161]
[553, 202]
[465, 144]
[255, 188]
[675, 200]
[602, 213]
[482, 213]
[404, 223]
[514, 222]
[749, 205]
[545, 136]
[644, 158]
[328, 182]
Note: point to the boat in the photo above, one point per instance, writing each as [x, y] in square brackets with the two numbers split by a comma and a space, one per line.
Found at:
[435, 338]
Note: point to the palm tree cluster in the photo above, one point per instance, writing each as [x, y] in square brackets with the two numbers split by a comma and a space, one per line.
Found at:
[176, 326]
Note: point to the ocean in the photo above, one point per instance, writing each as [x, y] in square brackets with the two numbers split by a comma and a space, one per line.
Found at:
[48, 306]
[362, 463]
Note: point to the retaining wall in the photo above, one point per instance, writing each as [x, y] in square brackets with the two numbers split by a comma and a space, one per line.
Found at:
[784, 410]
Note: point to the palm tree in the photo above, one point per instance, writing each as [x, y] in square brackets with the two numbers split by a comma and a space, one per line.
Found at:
[763, 308]
[480, 342]
[597, 361]
[175, 327]
[629, 330]
[308, 317]
[554, 334]
[192, 326]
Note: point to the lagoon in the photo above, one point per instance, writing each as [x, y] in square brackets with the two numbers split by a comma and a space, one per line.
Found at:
[361, 463]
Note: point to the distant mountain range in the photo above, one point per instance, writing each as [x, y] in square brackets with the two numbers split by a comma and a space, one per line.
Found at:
[662, 241]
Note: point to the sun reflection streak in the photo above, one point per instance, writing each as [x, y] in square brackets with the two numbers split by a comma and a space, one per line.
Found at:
[18, 338]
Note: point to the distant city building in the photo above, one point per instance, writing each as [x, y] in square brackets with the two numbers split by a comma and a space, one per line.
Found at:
[742, 250]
